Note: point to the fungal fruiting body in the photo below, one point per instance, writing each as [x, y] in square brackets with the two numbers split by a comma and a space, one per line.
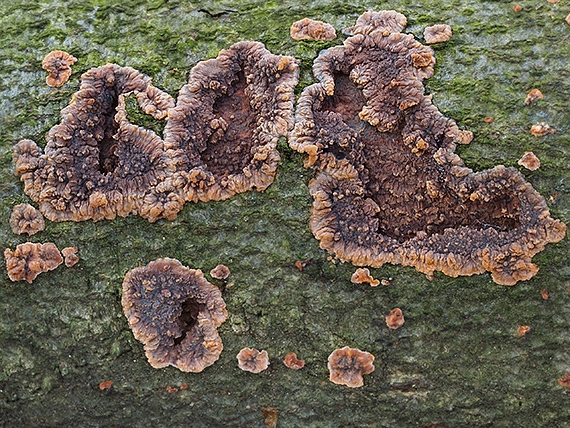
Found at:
[26, 219]
[388, 186]
[58, 63]
[529, 161]
[291, 361]
[347, 366]
[252, 360]
[437, 33]
[309, 29]
[175, 312]
[228, 118]
[28, 260]
[96, 164]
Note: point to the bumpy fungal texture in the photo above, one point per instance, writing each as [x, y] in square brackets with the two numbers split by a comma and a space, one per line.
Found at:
[389, 187]
[220, 272]
[309, 29]
[28, 260]
[362, 275]
[291, 361]
[70, 256]
[26, 219]
[529, 161]
[58, 63]
[347, 366]
[252, 360]
[395, 319]
[96, 164]
[175, 312]
[228, 119]
[437, 33]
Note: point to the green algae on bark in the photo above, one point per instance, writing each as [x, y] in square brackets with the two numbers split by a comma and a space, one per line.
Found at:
[457, 361]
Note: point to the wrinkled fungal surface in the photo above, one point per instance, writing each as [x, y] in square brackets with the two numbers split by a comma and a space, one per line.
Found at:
[175, 312]
[96, 164]
[228, 119]
[58, 63]
[26, 219]
[29, 259]
[437, 33]
[309, 29]
[389, 187]
[347, 366]
[252, 360]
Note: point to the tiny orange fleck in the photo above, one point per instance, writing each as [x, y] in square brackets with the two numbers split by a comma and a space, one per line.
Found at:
[293, 362]
[517, 7]
[270, 416]
[184, 386]
[522, 330]
[105, 385]
[171, 389]
[395, 319]
[489, 119]
[544, 294]
[564, 381]
[533, 95]
[385, 282]
[299, 265]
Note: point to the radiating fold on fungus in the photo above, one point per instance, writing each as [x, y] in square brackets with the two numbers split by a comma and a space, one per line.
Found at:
[175, 312]
[228, 119]
[220, 139]
[389, 187]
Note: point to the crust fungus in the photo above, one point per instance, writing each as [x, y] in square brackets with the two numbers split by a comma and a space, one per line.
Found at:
[309, 29]
[70, 256]
[227, 121]
[437, 33]
[388, 186]
[542, 128]
[347, 366]
[28, 260]
[26, 219]
[362, 275]
[252, 360]
[395, 319]
[529, 161]
[58, 63]
[175, 312]
[533, 95]
[291, 361]
[96, 164]
[220, 272]
[564, 380]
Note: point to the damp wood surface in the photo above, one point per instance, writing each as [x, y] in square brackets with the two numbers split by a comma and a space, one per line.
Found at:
[458, 360]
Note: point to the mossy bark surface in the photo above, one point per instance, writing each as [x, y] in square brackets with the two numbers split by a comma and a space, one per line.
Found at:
[457, 361]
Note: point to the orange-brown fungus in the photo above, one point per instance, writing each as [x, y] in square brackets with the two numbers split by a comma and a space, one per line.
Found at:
[522, 330]
[533, 95]
[220, 272]
[26, 219]
[542, 128]
[252, 360]
[70, 256]
[517, 7]
[544, 294]
[568, 19]
[362, 275]
[293, 362]
[553, 1]
[564, 380]
[347, 366]
[228, 119]
[437, 33]
[270, 417]
[106, 384]
[175, 312]
[309, 29]
[529, 161]
[58, 63]
[96, 163]
[395, 319]
[388, 186]
[28, 260]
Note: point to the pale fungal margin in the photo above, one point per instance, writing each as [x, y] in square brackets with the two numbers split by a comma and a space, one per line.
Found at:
[252, 360]
[388, 186]
[347, 366]
[58, 63]
[175, 312]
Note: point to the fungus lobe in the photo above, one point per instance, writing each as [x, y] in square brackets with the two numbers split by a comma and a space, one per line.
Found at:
[252, 360]
[291, 361]
[58, 63]
[309, 29]
[437, 33]
[347, 366]
[175, 312]
[26, 219]
[388, 186]
[28, 260]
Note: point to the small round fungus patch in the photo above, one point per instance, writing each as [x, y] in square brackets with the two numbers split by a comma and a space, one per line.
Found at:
[291, 361]
[26, 219]
[220, 272]
[362, 275]
[309, 29]
[395, 319]
[58, 63]
[70, 256]
[529, 161]
[175, 312]
[437, 33]
[28, 260]
[252, 360]
[348, 365]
